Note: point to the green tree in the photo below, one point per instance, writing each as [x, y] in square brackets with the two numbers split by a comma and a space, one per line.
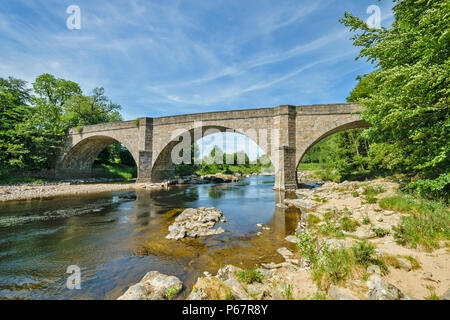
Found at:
[33, 127]
[14, 108]
[406, 98]
[93, 109]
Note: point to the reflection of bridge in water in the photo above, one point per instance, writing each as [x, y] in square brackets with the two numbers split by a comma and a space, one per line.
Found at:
[283, 221]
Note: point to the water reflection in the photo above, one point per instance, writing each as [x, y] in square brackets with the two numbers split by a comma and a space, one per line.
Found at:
[117, 237]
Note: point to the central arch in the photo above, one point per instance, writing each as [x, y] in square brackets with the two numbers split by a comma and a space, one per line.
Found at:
[163, 167]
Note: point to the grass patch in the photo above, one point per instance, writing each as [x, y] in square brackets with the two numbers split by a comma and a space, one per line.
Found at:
[14, 180]
[286, 291]
[366, 220]
[309, 166]
[122, 171]
[371, 199]
[229, 295]
[372, 190]
[433, 295]
[380, 232]
[171, 292]
[393, 261]
[323, 200]
[312, 219]
[319, 296]
[349, 224]
[364, 254]
[250, 276]
[331, 229]
[336, 265]
[427, 224]
[414, 263]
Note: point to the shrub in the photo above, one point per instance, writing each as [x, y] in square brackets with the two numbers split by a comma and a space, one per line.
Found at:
[287, 291]
[364, 255]
[250, 276]
[333, 266]
[312, 219]
[348, 224]
[307, 246]
[330, 228]
[380, 232]
[366, 220]
[372, 190]
[371, 199]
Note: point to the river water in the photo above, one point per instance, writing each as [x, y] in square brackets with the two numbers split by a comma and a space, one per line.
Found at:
[117, 237]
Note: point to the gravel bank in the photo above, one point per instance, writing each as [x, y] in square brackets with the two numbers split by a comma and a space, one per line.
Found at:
[46, 190]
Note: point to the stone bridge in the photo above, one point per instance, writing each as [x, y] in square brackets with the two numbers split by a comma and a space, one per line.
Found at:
[285, 133]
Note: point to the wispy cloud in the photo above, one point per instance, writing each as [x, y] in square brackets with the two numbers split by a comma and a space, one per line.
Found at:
[168, 57]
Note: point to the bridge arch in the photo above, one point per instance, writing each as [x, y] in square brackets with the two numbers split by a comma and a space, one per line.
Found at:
[82, 155]
[327, 131]
[163, 166]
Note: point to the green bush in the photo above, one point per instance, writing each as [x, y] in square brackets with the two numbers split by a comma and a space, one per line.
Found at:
[364, 255]
[380, 232]
[372, 190]
[307, 246]
[312, 219]
[349, 224]
[250, 276]
[334, 265]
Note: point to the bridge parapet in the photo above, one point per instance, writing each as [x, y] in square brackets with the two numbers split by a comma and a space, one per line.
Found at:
[104, 127]
[329, 109]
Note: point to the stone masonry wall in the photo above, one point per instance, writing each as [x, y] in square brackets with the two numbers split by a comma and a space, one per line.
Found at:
[285, 133]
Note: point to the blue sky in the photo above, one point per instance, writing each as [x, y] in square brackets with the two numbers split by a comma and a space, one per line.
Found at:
[158, 58]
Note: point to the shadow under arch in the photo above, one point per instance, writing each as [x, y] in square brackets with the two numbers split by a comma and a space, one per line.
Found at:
[322, 135]
[82, 155]
[163, 167]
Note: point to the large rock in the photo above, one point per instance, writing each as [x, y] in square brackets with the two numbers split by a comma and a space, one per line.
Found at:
[197, 294]
[338, 293]
[404, 264]
[220, 178]
[237, 290]
[380, 290]
[446, 295]
[365, 232]
[153, 286]
[259, 291]
[285, 253]
[227, 272]
[195, 223]
[292, 239]
[302, 203]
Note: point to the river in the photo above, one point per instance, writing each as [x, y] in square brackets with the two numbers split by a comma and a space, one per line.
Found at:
[116, 237]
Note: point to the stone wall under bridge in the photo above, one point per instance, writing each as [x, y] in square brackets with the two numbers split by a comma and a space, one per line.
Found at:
[284, 132]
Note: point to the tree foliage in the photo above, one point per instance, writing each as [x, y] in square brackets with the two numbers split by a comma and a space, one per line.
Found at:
[406, 98]
[33, 122]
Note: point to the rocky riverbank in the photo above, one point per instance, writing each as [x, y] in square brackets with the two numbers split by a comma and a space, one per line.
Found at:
[345, 250]
[28, 191]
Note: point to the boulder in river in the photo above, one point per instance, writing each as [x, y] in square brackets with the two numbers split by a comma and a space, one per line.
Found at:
[195, 223]
[153, 286]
